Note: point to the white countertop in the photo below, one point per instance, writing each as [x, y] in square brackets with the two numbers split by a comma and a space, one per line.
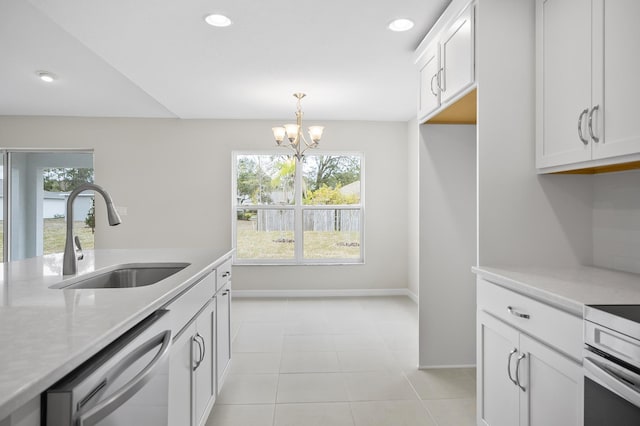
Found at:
[46, 333]
[568, 288]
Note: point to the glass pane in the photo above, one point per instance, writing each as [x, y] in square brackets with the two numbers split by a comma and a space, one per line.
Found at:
[331, 179]
[40, 183]
[265, 179]
[264, 234]
[332, 234]
[57, 185]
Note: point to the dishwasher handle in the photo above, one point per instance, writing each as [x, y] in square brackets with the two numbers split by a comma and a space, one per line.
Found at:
[611, 376]
[108, 405]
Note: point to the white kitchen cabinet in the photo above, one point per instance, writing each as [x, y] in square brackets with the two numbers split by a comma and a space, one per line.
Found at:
[192, 370]
[447, 65]
[457, 56]
[180, 378]
[523, 378]
[586, 88]
[204, 363]
[223, 344]
[498, 396]
[429, 94]
[553, 385]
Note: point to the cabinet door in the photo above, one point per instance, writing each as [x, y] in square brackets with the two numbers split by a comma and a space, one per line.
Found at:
[553, 387]
[563, 81]
[223, 302]
[457, 56]
[180, 378]
[497, 353]
[616, 67]
[204, 363]
[429, 99]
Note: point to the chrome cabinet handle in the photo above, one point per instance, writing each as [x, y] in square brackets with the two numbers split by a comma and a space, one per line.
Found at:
[204, 348]
[580, 118]
[195, 340]
[108, 405]
[513, 351]
[517, 314]
[433, 78]
[439, 80]
[520, 358]
[226, 274]
[594, 137]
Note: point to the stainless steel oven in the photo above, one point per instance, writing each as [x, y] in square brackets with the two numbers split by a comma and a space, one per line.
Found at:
[125, 384]
[612, 365]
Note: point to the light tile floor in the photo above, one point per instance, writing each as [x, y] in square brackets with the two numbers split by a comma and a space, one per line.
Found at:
[336, 362]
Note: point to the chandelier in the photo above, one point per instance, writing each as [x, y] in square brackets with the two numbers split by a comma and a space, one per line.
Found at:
[293, 132]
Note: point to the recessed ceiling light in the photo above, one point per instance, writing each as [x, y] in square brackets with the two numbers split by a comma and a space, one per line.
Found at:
[217, 20]
[46, 76]
[401, 24]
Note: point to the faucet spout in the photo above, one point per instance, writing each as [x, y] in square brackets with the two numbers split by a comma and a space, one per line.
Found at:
[70, 262]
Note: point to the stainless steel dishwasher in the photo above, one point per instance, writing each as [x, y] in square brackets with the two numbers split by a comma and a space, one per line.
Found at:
[127, 383]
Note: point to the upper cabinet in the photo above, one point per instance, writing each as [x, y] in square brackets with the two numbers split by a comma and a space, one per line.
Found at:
[586, 88]
[446, 65]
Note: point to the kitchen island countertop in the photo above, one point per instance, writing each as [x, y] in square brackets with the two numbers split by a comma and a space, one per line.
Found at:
[46, 333]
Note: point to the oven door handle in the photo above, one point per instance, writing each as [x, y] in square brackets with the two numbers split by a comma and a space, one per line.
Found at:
[620, 381]
[97, 413]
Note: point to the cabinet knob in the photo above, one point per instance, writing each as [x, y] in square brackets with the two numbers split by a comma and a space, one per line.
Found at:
[226, 274]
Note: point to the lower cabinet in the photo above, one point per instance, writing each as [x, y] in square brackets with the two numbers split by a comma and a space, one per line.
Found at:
[201, 351]
[191, 378]
[521, 380]
[223, 342]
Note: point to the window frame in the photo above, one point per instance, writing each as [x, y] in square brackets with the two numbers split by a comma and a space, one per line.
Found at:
[298, 208]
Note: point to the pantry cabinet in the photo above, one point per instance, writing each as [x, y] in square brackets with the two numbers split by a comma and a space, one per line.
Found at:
[528, 368]
[586, 89]
[447, 64]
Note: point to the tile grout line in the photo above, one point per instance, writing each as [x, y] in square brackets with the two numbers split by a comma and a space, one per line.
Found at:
[404, 374]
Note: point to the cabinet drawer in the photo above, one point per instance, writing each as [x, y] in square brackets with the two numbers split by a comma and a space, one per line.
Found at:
[185, 306]
[550, 325]
[223, 274]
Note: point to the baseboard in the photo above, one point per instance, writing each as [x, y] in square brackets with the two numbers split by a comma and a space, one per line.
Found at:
[411, 295]
[326, 293]
[440, 367]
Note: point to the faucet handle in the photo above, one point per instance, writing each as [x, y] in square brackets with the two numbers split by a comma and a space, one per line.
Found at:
[80, 254]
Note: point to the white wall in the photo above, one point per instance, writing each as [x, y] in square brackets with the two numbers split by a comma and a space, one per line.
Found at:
[447, 245]
[140, 161]
[413, 206]
[616, 221]
[524, 219]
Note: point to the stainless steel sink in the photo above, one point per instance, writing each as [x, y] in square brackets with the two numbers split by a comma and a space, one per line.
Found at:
[125, 276]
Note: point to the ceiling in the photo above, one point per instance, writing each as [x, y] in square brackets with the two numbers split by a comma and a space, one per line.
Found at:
[157, 58]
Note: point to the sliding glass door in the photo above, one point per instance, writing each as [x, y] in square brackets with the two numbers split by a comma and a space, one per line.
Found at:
[35, 191]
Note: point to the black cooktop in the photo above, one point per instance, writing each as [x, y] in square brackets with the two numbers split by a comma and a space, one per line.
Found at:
[629, 312]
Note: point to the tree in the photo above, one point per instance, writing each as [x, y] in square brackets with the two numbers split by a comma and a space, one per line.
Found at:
[285, 177]
[64, 179]
[252, 182]
[331, 171]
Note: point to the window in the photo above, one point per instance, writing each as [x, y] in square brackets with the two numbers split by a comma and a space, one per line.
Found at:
[35, 187]
[290, 212]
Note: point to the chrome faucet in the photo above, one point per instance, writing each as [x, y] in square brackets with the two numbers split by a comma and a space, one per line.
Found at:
[70, 262]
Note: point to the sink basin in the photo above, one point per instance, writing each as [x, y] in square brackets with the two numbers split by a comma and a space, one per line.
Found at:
[126, 276]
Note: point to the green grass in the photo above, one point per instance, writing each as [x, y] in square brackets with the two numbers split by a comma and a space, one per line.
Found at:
[54, 235]
[253, 244]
